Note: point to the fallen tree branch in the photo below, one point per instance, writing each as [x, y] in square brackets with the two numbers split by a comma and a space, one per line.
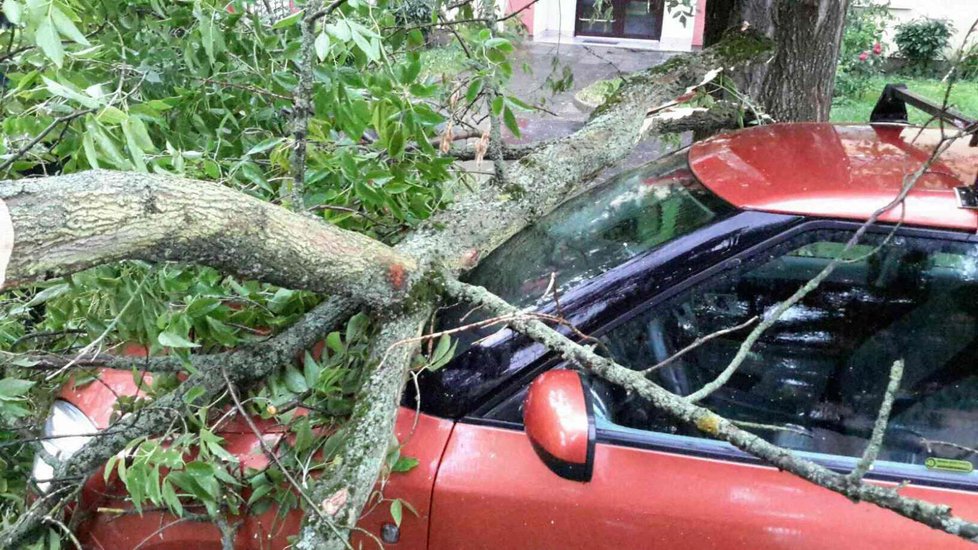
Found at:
[344, 490]
[65, 224]
[245, 364]
[536, 184]
[933, 515]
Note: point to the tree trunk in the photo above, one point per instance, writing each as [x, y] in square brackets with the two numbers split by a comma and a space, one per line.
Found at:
[798, 82]
[800, 79]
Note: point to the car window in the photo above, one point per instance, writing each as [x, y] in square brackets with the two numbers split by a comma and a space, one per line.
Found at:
[635, 212]
[815, 380]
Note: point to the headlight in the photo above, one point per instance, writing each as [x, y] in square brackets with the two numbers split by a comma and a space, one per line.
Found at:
[66, 430]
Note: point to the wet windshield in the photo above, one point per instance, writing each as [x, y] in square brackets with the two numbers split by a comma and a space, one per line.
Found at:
[591, 234]
[596, 231]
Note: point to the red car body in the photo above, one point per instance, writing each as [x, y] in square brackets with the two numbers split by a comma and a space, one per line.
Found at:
[479, 485]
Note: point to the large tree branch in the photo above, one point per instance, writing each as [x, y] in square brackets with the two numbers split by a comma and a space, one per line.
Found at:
[536, 184]
[65, 224]
[347, 487]
[243, 365]
[936, 516]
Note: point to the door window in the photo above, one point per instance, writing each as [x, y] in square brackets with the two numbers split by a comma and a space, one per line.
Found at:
[620, 18]
[815, 380]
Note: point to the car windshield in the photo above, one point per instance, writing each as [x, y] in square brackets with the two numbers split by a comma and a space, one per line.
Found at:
[591, 234]
[631, 214]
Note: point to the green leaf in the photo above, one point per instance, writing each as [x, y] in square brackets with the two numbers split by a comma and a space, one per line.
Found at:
[264, 146]
[443, 353]
[48, 40]
[339, 30]
[288, 21]
[14, 388]
[294, 380]
[500, 44]
[474, 88]
[140, 134]
[13, 11]
[174, 340]
[509, 119]
[310, 370]
[404, 464]
[171, 499]
[395, 144]
[497, 105]
[334, 342]
[397, 511]
[67, 28]
[67, 92]
[322, 46]
[112, 115]
[369, 46]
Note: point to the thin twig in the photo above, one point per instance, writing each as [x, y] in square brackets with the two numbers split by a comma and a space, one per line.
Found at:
[38, 138]
[273, 456]
[879, 428]
[697, 343]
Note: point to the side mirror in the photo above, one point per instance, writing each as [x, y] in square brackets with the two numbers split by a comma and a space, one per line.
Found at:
[559, 419]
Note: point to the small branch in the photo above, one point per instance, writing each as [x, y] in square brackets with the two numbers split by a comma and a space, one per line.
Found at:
[697, 343]
[879, 428]
[335, 5]
[272, 455]
[38, 138]
[302, 108]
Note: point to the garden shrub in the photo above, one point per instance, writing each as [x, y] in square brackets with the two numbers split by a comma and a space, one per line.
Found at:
[922, 42]
[861, 55]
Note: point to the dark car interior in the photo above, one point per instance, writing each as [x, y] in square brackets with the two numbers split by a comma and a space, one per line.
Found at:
[815, 380]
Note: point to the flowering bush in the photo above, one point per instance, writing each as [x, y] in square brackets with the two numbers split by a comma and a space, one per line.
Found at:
[861, 55]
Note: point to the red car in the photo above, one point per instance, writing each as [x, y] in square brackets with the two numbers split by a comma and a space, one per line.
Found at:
[516, 451]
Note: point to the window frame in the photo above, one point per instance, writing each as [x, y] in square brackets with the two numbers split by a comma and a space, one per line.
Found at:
[621, 436]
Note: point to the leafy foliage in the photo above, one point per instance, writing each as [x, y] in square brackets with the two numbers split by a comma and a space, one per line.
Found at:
[861, 56]
[204, 89]
[922, 42]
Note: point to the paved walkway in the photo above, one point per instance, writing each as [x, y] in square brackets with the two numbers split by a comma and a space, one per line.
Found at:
[588, 64]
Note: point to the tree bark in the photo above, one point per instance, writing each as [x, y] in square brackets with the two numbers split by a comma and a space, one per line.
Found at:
[65, 224]
[798, 82]
[800, 79]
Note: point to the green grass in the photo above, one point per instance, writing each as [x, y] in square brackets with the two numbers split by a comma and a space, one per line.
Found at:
[964, 98]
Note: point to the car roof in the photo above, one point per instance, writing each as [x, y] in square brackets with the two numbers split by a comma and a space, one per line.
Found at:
[838, 171]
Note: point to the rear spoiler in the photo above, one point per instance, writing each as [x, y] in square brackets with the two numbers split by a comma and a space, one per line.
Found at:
[892, 108]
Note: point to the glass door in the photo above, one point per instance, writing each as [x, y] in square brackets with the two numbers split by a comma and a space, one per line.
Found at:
[620, 18]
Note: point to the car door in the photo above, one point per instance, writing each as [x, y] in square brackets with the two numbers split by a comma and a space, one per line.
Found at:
[812, 383]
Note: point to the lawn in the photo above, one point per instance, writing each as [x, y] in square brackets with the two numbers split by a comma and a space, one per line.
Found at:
[964, 98]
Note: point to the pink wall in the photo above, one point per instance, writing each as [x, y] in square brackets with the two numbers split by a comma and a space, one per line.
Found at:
[700, 23]
[526, 16]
